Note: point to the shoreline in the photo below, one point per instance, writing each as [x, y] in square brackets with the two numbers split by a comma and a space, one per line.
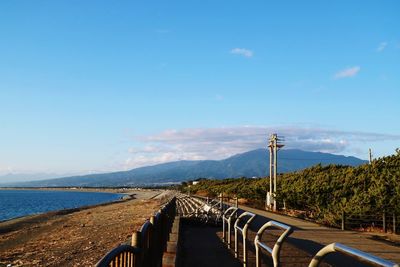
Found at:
[21, 219]
[77, 236]
[40, 217]
[61, 211]
[128, 194]
[121, 190]
[127, 191]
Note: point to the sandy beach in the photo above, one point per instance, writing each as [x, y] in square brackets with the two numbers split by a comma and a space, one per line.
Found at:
[74, 237]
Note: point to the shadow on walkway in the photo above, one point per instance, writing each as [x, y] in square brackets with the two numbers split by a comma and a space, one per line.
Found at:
[201, 246]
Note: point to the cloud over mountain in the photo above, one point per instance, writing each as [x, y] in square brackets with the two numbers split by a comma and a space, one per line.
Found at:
[218, 143]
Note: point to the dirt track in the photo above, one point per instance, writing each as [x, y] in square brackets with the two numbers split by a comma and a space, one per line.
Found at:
[78, 237]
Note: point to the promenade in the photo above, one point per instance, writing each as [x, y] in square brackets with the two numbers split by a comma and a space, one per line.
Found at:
[203, 246]
[311, 237]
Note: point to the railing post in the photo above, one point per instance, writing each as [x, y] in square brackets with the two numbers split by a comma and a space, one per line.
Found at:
[155, 242]
[236, 202]
[229, 231]
[136, 242]
[223, 229]
[244, 234]
[343, 220]
[147, 245]
[275, 250]
[135, 239]
[394, 222]
[236, 244]
[244, 250]
[384, 222]
[163, 225]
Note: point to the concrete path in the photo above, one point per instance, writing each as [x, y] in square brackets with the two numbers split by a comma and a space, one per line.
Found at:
[203, 246]
[200, 246]
[311, 237]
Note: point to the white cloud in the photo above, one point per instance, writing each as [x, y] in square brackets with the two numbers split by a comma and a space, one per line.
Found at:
[381, 46]
[6, 169]
[242, 51]
[348, 72]
[219, 143]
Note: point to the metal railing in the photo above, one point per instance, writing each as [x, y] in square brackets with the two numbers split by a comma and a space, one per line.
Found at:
[352, 252]
[213, 211]
[123, 255]
[147, 244]
[199, 208]
[224, 201]
[227, 220]
[241, 225]
[243, 231]
[275, 251]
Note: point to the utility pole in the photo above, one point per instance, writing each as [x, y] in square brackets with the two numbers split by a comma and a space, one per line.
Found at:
[274, 145]
[370, 156]
[271, 171]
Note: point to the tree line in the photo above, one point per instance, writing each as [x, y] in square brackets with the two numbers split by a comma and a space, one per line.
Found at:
[322, 192]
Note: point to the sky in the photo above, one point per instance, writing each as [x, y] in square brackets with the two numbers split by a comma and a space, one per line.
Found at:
[93, 86]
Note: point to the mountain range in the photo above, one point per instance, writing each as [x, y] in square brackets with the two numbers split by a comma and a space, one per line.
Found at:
[253, 163]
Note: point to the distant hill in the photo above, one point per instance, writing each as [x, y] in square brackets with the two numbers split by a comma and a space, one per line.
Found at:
[248, 164]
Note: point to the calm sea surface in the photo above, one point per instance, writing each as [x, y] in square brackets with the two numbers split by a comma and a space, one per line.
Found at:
[17, 203]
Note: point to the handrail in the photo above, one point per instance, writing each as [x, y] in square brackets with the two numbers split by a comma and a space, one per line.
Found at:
[146, 226]
[146, 238]
[120, 256]
[352, 252]
[148, 244]
[227, 217]
[196, 207]
[156, 247]
[244, 234]
[275, 251]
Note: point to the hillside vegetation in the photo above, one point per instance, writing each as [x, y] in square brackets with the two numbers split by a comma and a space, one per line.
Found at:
[324, 191]
[248, 164]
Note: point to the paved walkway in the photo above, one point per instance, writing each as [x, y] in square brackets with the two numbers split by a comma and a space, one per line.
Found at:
[202, 245]
[311, 237]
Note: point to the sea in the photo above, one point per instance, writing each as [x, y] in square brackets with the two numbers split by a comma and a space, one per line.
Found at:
[18, 203]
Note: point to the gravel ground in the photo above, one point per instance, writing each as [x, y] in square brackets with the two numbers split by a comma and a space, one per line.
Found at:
[77, 237]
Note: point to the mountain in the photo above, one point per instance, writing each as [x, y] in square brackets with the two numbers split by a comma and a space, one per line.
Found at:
[23, 177]
[248, 164]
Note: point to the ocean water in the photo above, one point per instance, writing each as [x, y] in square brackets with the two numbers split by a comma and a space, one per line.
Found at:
[17, 203]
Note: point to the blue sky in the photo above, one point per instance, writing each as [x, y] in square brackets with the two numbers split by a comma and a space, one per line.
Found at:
[101, 86]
